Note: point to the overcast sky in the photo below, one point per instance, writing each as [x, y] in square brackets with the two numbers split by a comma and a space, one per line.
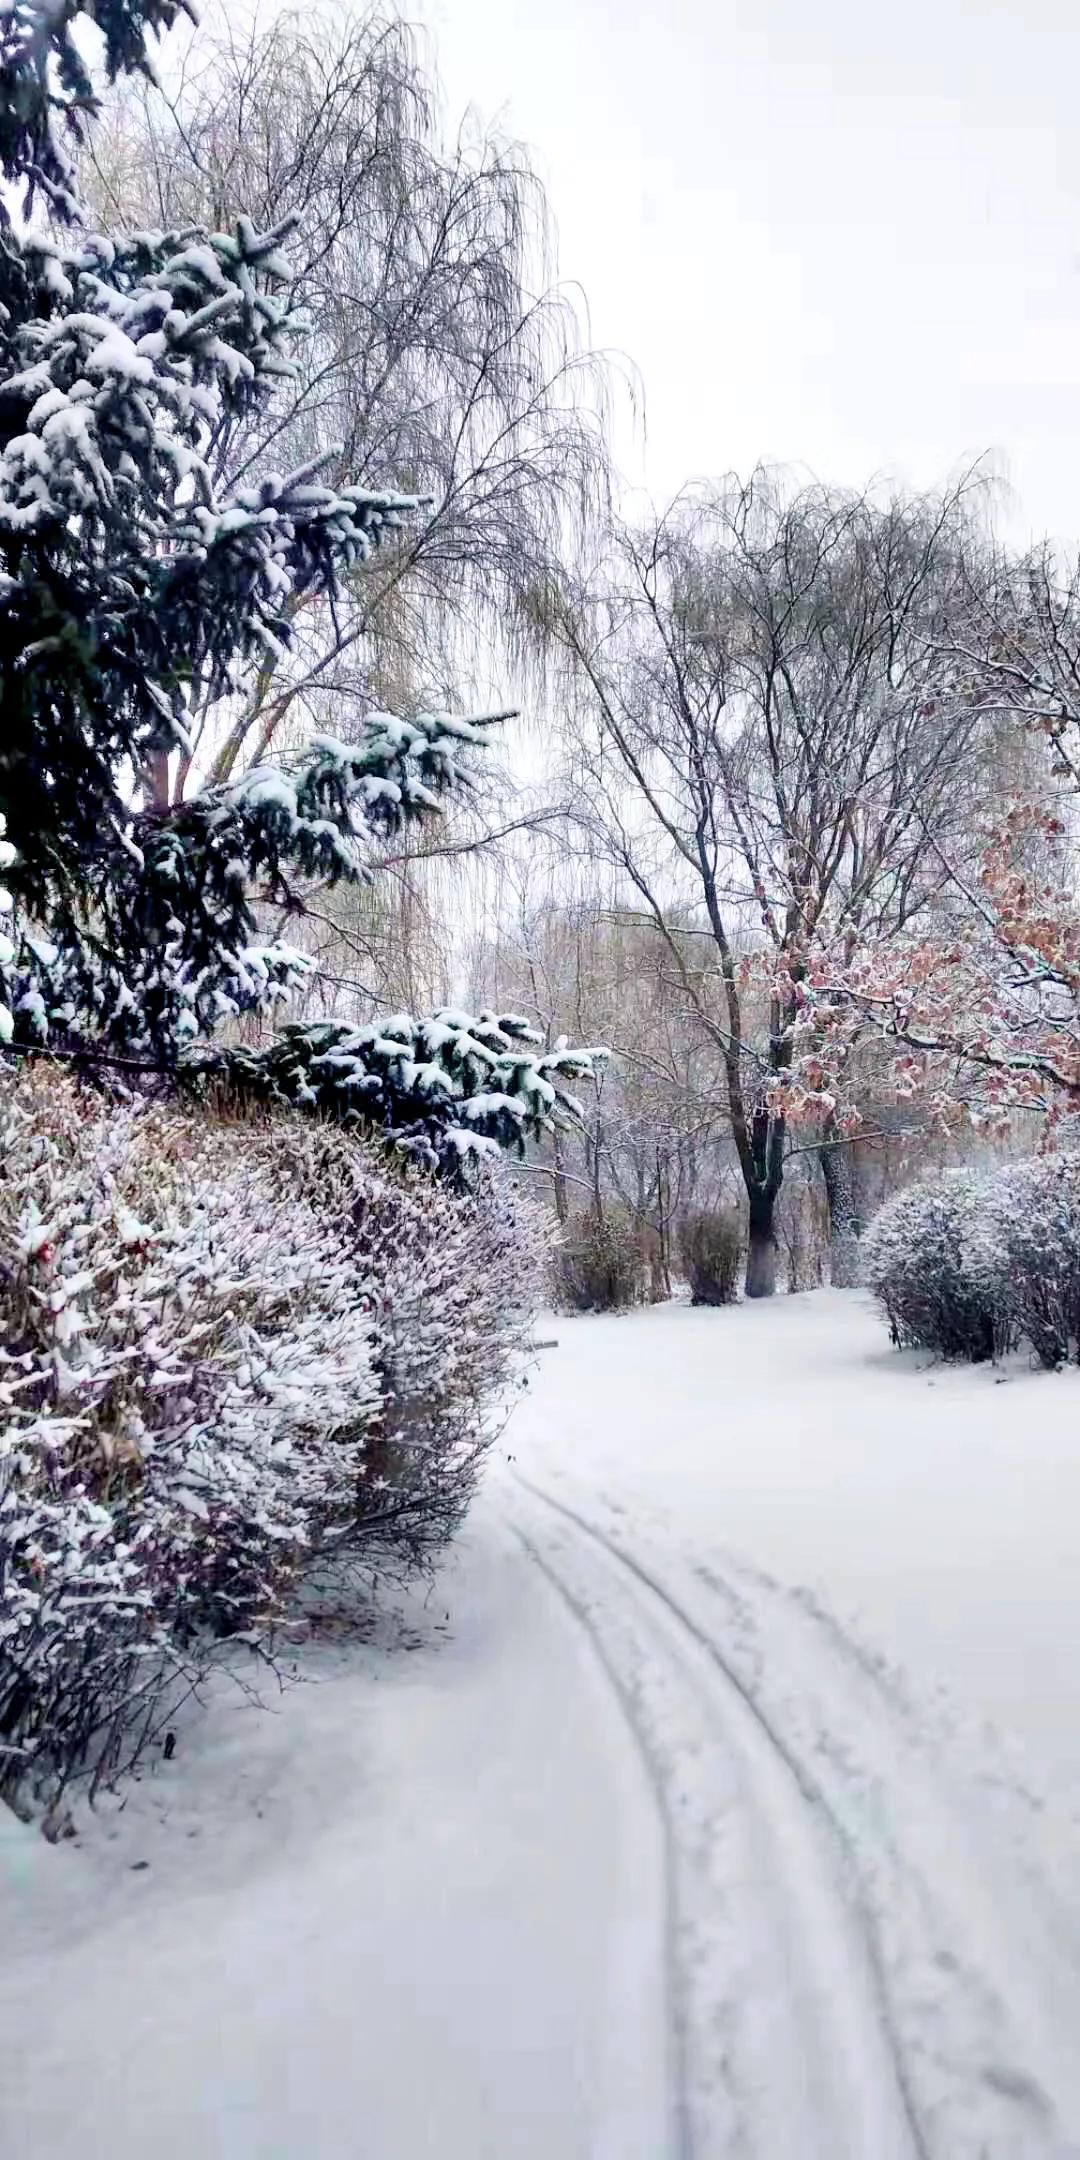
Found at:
[843, 236]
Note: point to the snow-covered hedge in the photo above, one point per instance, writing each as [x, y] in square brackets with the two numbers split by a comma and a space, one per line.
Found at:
[971, 1266]
[450, 1281]
[930, 1258]
[1033, 1215]
[228, 1352]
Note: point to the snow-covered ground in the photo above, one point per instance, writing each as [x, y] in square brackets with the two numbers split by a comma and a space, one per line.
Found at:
[722, 1799]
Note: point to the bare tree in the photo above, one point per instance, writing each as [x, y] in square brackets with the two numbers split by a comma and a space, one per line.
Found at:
[436, 356]
[1015, 651]
[756, 749]
[655, 1141]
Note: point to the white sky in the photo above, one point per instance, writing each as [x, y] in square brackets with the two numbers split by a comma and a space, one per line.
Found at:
[844, 236]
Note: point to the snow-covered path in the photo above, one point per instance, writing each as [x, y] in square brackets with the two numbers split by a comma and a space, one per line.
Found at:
[726, 1804]
[410, 1914]
[861, 1961]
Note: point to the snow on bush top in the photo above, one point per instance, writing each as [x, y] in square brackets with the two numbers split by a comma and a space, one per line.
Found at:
[227, 1350]
[927, 1258]
[970, 1265]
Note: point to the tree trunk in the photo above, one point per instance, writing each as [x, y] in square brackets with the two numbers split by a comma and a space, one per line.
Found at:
[663, 1220]
[839, 1171]
[761, 1252]
[562, 1203]
[156, 780]
[597, 1188]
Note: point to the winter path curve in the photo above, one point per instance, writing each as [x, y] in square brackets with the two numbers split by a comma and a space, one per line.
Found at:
[876, 1891]
[831, 1994]
[766, 1966]
[413, 1913]
[719, 1803]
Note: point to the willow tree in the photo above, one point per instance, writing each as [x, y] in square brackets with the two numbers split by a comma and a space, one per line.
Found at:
[143, 578]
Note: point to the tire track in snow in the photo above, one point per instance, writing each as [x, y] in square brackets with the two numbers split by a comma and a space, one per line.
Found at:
[681, 2134]
[980, 1912]
[812, 2064]
[975, 1993]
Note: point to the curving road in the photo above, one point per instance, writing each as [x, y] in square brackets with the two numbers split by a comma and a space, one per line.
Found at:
[865, 1960]
[678, 1820]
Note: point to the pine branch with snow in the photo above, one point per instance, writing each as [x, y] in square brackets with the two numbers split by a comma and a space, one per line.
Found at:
[129, 578]
[449, 1089]
[163, 941]
[126, 575]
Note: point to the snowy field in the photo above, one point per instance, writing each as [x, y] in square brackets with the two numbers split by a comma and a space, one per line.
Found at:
[722, 1799]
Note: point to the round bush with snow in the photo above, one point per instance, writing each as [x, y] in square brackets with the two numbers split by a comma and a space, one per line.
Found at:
[929, 1256]
[1033, 1213]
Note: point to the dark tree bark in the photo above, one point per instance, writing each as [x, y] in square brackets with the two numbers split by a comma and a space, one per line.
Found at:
[562, 1202]
[762, 1250]
[840, 1172]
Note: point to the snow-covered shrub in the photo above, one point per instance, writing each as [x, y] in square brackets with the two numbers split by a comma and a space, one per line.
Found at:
[227, 1351]
[1033, 1248]
[450, 1281]
[599, 1265]
[711, 1242]
[187, 1377]
[928, 1258]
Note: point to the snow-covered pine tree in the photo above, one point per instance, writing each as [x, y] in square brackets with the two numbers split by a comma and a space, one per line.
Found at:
[126, 575]
[448, 1087]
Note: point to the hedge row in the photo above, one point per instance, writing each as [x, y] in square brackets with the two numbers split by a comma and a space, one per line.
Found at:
[973, 1266]
[230, 1353]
